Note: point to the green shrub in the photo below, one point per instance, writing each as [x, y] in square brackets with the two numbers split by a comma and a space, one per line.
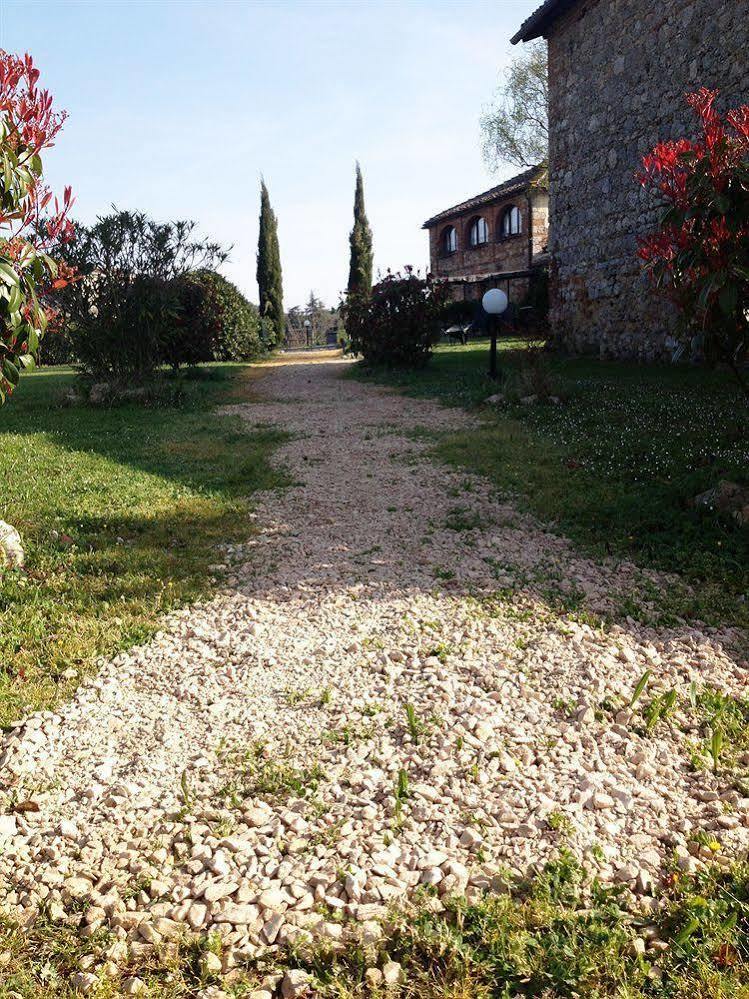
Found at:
[123, 314]
[221, 324]
[459, 313]
[188, 338]
[397, 324]
[56, 347]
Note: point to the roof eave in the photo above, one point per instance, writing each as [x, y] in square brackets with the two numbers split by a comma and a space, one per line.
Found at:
[537, 25]
[531, 175]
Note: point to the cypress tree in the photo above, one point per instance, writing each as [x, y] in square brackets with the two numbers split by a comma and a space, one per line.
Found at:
[269, 280]
[360, 268]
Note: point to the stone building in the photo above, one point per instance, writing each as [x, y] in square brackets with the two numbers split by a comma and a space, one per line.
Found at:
[495, 239]
[618, 72]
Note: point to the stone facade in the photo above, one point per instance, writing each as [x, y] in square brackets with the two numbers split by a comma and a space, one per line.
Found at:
[502, 259]
[618, 72]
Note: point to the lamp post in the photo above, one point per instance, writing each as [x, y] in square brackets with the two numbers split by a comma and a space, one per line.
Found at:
[494, 303]
[307, 327]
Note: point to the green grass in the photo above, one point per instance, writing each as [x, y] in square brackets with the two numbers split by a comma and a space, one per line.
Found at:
[615, 467]
[120, 511]
[558, 935]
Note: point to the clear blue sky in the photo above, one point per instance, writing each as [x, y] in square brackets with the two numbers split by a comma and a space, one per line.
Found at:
[177, 107]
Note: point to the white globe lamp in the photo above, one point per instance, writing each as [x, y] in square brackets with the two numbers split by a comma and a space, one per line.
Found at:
[494, 301]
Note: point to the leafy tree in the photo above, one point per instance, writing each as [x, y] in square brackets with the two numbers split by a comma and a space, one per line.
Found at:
[399, 322]
[122, 316]
[360, 240]
[699, 255]
[269, 278]
[515, 128]
[28, 125]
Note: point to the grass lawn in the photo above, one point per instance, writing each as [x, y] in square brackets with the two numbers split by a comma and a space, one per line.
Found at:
[615, 466]
[120, 511]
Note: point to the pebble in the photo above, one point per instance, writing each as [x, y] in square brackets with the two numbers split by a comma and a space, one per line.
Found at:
[296, 983]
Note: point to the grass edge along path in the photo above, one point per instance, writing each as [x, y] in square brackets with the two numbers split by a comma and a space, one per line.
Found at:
[555, 935]
[614, 467]
[123, 512]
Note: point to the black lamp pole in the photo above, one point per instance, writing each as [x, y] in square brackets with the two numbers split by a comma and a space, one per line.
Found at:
[494, 303]
[493, 324]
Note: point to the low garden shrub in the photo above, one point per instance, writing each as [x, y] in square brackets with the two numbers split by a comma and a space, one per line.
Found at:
[459, 313]
[56, 347]
[216, 321]
[399, 322]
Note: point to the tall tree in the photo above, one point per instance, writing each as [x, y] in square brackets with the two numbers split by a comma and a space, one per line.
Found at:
[360, 268]
[515, 128]
[269, 279]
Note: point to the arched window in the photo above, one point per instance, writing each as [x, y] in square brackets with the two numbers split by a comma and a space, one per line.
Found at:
[511, 221]
[479, 232]
[449, 240]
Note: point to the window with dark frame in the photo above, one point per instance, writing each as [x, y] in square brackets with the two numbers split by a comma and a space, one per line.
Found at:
[511, 223]
[450, 240]
[479, 232]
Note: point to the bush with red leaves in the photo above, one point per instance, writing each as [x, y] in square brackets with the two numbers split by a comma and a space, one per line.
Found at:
[699, 256]
[28, 125]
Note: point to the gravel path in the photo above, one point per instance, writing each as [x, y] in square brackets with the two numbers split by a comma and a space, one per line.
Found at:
[378, 697]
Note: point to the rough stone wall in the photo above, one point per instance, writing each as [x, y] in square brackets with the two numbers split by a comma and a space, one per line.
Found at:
[509, 253]
[618, 71]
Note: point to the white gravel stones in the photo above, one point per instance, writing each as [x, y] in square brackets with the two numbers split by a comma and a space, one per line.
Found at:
[296, 983]
[392, 973]
[343, 722]
[219, 889]
[11, 549]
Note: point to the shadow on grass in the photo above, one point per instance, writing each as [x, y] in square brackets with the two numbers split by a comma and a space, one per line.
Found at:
[122, 511]
[186, 443]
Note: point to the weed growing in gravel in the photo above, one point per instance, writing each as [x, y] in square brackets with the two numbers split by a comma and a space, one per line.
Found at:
[559, 935]
[297, 695]
[708, 840]
[400, 795]
[723, 723]
[416, 727]
[256, 774]
[328, 836]
[186, 795]
[461, 518]
[441, 651]
[659, 709]
[639, 688]
[347, 734]
[560, 823]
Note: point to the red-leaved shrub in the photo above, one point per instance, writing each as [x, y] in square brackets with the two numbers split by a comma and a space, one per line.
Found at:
[699, 255]
[28, 125]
